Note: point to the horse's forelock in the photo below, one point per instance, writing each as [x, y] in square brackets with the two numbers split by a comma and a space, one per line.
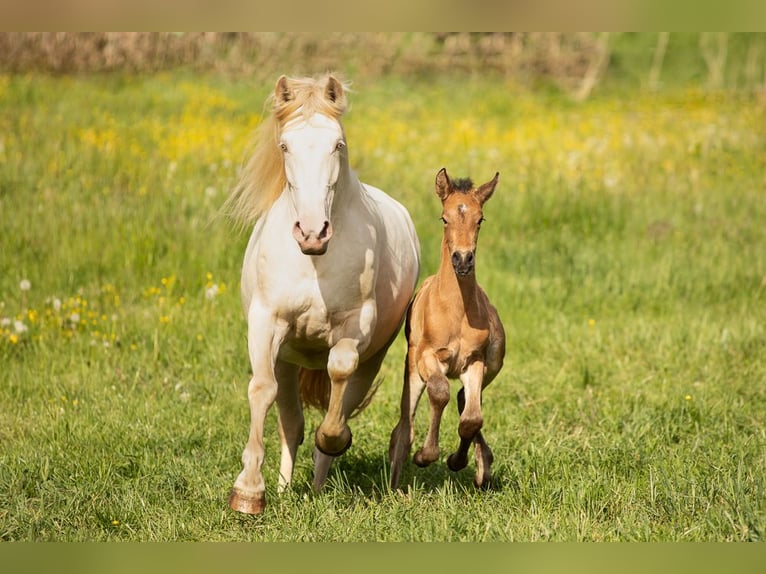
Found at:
[308, 97]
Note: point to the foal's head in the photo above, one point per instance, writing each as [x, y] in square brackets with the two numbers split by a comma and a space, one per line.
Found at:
[462, 216]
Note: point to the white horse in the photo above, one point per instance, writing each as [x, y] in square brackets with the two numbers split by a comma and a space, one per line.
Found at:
[330, 268]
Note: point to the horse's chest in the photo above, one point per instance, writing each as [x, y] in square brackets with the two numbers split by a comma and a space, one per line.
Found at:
[460, 351]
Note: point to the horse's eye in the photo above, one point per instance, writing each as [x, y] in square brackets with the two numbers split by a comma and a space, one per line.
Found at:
[444, 221]
[481, 220]
[340, 145]
[283, 146]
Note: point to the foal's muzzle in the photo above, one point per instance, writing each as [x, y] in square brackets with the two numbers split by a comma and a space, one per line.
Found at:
[463, 262]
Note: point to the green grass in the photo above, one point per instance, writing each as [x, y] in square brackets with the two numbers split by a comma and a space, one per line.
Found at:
[624, 248]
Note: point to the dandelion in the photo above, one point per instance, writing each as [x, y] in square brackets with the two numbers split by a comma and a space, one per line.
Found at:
[591, 323]
[164, 319]
[25, 285]
[211, 292]
[688, 398]
[115, 522]
[13, 338]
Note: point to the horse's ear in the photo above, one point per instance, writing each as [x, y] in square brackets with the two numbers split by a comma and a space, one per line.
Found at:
[443, 185]
[484, 192]
[282, 91]
[333, 91]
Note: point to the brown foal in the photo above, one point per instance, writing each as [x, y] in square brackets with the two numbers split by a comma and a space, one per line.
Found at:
[453, 331]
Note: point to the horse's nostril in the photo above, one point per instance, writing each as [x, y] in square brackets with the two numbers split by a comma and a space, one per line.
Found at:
[469, 257]
[325, 230]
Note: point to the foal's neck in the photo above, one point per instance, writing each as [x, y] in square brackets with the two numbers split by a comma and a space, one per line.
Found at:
[456, 290]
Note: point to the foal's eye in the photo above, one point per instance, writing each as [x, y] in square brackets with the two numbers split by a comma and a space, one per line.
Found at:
[481, 220]
[283, 146]
[340, 145]
[444, 221]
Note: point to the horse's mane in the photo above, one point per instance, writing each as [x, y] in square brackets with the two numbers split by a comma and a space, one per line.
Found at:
[262, 178]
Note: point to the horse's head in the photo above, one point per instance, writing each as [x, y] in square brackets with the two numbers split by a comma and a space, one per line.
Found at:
[462, 216]
[314, 150]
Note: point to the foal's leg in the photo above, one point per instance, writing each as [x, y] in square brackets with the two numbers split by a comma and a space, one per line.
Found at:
[291, 421]
[482, 454]
[263, 339]
[437, 386]
[404, 432]
[471, 420]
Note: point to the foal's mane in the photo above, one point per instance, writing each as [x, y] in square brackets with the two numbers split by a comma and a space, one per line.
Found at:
[464, 184]
[262, 178]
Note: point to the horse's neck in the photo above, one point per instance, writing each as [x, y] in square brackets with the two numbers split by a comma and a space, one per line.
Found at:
[348, 191]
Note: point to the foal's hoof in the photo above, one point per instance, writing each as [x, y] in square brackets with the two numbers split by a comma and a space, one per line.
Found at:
[246, 504]
[333, 446]
[423, 457]
[456, 462]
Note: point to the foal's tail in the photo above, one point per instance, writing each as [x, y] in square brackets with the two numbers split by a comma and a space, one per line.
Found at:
[315, 390]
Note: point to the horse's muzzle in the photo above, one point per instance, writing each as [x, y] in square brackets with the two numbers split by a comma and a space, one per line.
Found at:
[310, 242]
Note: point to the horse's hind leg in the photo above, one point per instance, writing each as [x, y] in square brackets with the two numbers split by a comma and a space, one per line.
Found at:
[291, 421]
[404, 433]
[482, 453]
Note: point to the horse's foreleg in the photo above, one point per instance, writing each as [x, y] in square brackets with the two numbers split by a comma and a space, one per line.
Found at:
[404, 432]
[469, 407]
[248, 494]
[291, 421]
[333, 437]
[437, 386]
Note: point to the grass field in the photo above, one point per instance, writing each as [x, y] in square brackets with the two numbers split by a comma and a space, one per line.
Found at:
[625, 249]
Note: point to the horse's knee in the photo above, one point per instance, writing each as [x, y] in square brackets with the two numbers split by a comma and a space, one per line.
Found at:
[438, 391]
[343, 360]
[469, 426]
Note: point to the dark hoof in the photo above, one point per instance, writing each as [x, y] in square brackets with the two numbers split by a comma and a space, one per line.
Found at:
[245, 504]
[455, 462]
[334, 452]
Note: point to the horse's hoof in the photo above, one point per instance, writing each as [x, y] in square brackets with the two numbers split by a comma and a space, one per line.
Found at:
[483, 482]
[455, 462]
[422, 460]
[328, 447]
[246, 504]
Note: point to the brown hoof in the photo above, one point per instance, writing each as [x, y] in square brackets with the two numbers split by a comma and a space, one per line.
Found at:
[246, 505]
[423, 459]
[334, 452]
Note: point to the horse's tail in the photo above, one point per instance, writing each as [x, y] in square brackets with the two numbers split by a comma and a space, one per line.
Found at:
[315, 390]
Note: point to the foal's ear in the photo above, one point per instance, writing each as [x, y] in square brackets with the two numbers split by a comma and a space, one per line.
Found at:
[443, 185]
[282, 91]
[484, 191]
